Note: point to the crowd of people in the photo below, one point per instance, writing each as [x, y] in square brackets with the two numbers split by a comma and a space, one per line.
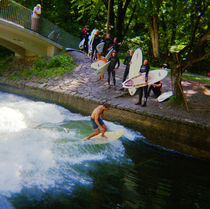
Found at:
[109, 44]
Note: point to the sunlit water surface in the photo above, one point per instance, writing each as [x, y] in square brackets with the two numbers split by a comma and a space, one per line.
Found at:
[43, 164]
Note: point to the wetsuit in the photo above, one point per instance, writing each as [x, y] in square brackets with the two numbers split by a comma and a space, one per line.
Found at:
[107, 45]
[127, 63]
[116, 47]
[156, 89]
[82, 33]
[113, 61]
[86, 36]
[96, 41]
[141, 90]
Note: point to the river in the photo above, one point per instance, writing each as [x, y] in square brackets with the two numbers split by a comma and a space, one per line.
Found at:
[44, 165]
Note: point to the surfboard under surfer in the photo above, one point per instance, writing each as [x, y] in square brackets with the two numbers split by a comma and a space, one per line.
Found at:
[97, 120]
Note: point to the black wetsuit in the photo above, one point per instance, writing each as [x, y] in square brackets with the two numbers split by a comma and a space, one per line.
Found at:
[86, 36]
[156, 90]
[127, 63]
[116, 47]
[113, 61]
[96, 41]
[107, 45]
[141, 90]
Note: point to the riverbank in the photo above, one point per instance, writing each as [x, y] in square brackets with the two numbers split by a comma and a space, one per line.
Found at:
[161, 123]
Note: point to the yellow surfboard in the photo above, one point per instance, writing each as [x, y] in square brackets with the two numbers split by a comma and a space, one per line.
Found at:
[110, 136]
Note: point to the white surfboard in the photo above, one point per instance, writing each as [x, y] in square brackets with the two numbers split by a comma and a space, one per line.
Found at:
[136, 63]
[96, 65]
[81, 43]
[100, 47]
[109, 54]
[90, 41]
[139, 80]
[110, 137]
[103, 69]
[163, 97]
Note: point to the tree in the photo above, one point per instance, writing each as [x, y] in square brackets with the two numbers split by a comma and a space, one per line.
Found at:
[179, 32]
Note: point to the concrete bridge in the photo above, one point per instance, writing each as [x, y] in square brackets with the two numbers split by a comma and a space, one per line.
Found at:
[16, 35]
[25, 42]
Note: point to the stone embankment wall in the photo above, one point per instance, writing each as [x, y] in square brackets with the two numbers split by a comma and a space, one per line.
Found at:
[182, 136]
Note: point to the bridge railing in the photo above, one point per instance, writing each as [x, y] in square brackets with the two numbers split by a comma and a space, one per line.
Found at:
[16, 13]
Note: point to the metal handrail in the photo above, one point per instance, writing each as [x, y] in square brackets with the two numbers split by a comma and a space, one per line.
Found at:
[16, 13]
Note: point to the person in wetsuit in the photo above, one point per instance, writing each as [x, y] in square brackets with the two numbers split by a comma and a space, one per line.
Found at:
[116, 45]
[86, 36]
[156, 88]
[127, 63]
[107, 44]
[96, 41]
[112, 67]
[143, 90]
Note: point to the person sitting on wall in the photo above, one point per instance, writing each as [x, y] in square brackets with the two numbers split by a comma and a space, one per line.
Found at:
[156, 88]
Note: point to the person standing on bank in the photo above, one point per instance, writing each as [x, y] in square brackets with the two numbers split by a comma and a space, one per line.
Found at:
[107, 44]
[35, 18]
[112, 67]
[127, 63]
[144, 69]
[96, 41]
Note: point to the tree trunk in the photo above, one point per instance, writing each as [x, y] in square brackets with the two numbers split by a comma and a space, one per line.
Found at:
[108, 16]
[154, 35]
[176, 78]
[120, 21]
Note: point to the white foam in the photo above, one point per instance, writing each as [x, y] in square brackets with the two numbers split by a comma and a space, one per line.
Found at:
[34, 153]
[11, 120]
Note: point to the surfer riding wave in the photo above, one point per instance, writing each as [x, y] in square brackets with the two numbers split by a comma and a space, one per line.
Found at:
[97, 120]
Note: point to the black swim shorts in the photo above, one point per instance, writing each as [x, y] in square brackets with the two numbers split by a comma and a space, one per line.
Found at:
[95, 126]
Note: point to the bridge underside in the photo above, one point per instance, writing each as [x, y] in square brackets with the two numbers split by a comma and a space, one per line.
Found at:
[25, 42]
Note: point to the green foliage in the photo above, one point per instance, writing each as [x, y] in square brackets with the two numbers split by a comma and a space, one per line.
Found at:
[176, 20]
[40, 64]
[59, 61]
[42, 69]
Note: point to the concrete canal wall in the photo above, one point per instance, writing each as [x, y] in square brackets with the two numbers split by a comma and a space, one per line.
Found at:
[186, 137]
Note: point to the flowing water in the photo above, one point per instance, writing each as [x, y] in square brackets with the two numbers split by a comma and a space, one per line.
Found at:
[44, 165]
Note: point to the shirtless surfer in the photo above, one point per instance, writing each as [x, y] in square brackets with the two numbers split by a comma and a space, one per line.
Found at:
[97, 120]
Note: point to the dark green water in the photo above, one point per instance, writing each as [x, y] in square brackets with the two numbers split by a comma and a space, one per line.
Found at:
[44, 166]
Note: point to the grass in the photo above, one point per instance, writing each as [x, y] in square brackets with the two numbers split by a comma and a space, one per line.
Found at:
[194, 77]
[46, 69]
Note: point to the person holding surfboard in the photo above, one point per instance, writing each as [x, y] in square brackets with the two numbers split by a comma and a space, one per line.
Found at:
[97, 120]
[99, 57]
[96, 41]
[144, 69]
[116, 45]
[112, 67]
[127, 63]
[107, 44]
